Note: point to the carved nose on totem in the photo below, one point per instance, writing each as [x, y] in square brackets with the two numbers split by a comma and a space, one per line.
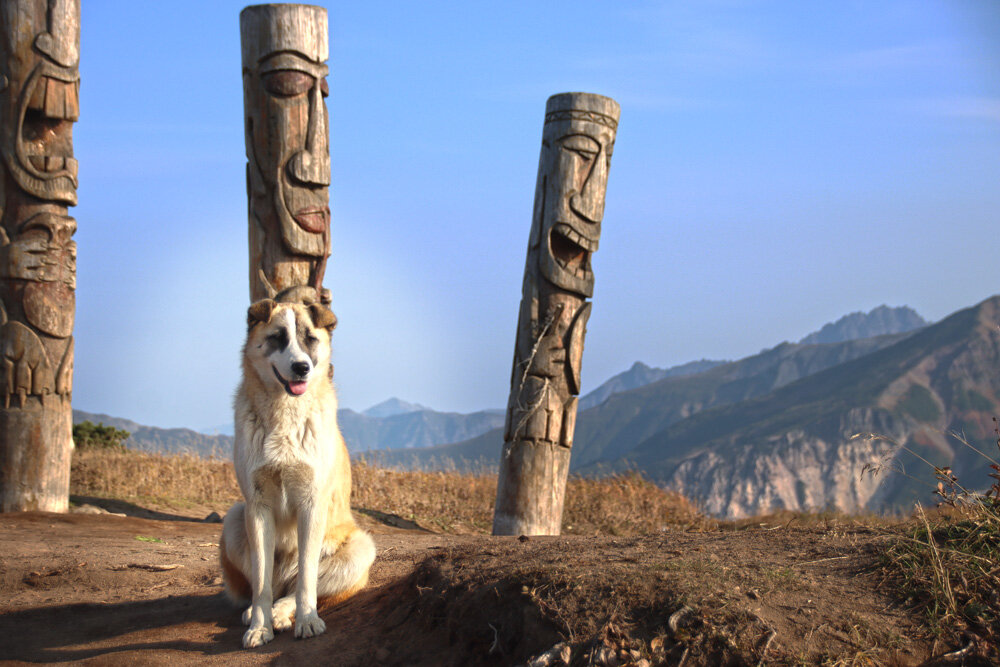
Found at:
[312, 164]
[300, 368]
[589, 202]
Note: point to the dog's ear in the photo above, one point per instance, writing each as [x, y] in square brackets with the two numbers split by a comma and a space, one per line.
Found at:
[260, 312]
[322, 317]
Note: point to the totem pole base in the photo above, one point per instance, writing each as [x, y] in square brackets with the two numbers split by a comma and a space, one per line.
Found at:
[35, 477]
[530, 489]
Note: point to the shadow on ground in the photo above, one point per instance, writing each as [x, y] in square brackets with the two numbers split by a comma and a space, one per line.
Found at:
[130, 509]
[82, 631]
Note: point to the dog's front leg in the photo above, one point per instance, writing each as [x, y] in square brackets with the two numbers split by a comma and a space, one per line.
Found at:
[260, 539]
[311, 527]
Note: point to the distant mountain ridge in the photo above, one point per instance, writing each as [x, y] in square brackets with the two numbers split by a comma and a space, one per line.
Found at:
[415, 429]
[611, 428]
[393, 407]
[877, 322]
[775, 431]
[766, 432]
[163, 440]
[794, 448]
[361, 432]
[640, 375]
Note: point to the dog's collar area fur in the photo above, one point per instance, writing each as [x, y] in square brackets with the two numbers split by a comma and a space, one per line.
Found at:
[288, 385]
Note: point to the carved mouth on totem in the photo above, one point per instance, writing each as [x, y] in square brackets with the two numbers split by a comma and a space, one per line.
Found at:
[45, 136]
[571, 250]
[314, 219]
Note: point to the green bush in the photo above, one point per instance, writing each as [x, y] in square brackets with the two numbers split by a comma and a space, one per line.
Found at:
[87, 434]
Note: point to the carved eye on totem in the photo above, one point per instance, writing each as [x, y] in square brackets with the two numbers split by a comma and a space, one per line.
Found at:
[291, 83]
[583, 146]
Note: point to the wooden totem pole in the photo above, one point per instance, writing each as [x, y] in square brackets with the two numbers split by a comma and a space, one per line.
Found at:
[39, 87]
[577, 141]
[285, 48]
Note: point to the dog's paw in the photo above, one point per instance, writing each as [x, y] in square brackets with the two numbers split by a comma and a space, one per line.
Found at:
[309, 625]
[283, 614]
[245, 616]
[255, 637]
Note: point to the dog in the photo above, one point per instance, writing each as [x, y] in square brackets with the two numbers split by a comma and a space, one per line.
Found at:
[293, 543]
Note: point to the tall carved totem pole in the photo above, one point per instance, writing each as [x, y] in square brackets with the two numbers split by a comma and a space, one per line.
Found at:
[577, 141]
[285, 48]
[39, 89]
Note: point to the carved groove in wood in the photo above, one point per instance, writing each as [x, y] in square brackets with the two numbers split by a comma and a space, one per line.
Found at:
[39, 103]
[285, 48]
[577, 142]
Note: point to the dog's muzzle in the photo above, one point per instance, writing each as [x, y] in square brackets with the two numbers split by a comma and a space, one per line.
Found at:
[293, 387]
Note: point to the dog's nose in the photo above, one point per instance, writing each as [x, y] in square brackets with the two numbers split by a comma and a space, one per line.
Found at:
[300, 368]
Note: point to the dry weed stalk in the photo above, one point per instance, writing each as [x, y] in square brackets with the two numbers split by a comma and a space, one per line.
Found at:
[950, 568]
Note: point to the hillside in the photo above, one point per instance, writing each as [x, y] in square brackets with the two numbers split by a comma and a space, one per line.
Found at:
[773, 431]
[638, 578]
[639, 375]
[162, 440]
[612, 428]
[793, 449]
[417, 428]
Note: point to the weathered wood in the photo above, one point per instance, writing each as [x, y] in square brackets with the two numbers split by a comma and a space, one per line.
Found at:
[285, 48]
[577, 141]
[39, 102]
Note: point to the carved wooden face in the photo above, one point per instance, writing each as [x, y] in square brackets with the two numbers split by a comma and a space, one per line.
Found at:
[288, 140]
[576, 155]
[39, 93]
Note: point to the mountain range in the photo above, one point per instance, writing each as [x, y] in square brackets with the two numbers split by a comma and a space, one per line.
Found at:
[775, 430]
[739, 437]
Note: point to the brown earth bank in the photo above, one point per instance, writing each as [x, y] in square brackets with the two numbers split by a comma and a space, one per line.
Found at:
[107, 590]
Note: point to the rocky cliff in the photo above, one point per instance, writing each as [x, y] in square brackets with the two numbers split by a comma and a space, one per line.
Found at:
[795, 447]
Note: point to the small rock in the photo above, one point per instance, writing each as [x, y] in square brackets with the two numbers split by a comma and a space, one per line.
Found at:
[523, 538]
[606, 656]
[212, 518]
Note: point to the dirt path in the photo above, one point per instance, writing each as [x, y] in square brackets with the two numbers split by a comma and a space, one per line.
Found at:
[102, 589]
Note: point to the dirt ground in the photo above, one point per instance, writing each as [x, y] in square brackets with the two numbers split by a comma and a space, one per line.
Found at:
[106, 590]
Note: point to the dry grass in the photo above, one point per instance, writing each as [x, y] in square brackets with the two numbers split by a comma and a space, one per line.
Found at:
[947, 564]
[179, 480]
[446, 502]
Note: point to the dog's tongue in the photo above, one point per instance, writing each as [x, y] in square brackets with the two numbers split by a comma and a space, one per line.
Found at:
[297, 388]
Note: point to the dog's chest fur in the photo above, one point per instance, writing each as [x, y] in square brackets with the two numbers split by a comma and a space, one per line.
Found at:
[283, 450]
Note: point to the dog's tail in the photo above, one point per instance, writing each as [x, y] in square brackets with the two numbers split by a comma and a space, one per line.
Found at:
[345, 571]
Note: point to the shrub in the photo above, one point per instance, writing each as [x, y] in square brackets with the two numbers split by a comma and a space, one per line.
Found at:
[88, 435]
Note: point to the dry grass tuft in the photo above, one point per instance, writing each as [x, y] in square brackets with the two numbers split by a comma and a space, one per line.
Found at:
[447, 502]
[947, 565]
[178, 480]
[626, 504]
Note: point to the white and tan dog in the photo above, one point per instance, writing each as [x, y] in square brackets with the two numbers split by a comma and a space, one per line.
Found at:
[293, 543]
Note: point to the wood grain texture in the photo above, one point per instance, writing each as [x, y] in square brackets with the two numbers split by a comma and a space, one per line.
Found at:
[577, 143]
[39, 102]
[284, 49]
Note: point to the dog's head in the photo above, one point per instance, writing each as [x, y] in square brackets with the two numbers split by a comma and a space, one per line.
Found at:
[288, 344]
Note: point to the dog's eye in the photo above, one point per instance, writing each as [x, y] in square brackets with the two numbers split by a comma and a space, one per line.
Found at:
[311, 340]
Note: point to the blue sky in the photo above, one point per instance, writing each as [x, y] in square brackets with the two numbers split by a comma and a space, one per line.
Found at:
[778, 165]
